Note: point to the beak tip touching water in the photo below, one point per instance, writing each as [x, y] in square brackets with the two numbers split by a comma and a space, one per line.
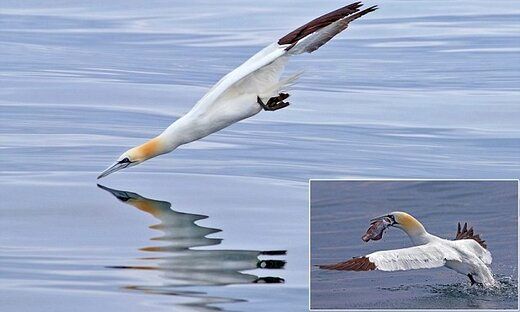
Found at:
[104, 174]
[113, 168]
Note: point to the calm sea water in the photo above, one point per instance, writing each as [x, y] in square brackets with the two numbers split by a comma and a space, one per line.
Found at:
[340, 215]
[416, 89]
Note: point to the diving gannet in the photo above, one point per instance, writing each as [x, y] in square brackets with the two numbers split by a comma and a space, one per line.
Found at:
[253, 86]
[467, 254]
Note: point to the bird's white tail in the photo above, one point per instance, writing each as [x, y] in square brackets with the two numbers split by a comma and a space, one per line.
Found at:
[282, 85]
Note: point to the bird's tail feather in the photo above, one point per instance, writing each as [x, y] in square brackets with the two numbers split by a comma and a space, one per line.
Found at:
[283, 84]
[289, 81]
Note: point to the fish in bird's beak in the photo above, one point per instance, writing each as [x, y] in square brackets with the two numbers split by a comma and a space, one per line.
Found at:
[377, 228]
[118, 165]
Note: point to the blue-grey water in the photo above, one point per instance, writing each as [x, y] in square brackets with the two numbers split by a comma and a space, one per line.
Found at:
[415, 89]
[340, 215]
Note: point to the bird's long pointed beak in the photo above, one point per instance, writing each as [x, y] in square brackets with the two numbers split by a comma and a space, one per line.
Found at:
[377, 219]
[113, 168]
[389, 219]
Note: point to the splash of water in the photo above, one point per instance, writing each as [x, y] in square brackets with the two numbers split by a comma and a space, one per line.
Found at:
[506, 287]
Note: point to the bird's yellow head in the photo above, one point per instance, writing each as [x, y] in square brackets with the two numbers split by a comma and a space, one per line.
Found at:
[136, 155]
[404, 221]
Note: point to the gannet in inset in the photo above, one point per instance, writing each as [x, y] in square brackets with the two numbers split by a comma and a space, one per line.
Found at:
[253, 86]
[467, 254]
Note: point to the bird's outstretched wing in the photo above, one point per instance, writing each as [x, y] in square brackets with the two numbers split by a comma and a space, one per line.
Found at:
[418, 257]
[263, 70]
[354, 264]
[473, 247]
[314, 34]
[264, 58]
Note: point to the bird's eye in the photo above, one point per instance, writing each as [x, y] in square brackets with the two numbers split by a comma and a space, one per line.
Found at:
[125, 160]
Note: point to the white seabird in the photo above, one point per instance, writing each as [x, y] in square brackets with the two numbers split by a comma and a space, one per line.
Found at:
[245, 91]
[467, 254]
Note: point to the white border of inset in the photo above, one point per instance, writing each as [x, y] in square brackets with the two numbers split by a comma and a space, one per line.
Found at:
[414, 180]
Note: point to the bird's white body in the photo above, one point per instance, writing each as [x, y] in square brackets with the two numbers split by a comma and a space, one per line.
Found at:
[464, 256]
[233, 98]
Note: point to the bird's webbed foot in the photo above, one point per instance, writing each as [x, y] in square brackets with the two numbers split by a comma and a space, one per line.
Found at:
[274, 103]
[473, 282]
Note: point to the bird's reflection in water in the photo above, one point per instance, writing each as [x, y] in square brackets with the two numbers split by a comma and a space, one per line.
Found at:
[181, 266]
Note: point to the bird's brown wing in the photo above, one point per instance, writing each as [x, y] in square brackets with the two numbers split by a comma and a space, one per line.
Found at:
[347, 14]
[466, 233]
[354, 264]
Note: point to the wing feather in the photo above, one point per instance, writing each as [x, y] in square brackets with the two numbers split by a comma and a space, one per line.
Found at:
[262, 71]
[471, 246]
[354, 264]
[313, 35]
[418, 257]
[258, 61]
[469, 234]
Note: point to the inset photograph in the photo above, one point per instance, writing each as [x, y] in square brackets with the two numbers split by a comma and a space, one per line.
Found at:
[414, 244]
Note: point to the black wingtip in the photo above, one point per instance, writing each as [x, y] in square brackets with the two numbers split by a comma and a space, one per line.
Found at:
[469, 233]
[363, 12]
[350, 11]
[370, 9]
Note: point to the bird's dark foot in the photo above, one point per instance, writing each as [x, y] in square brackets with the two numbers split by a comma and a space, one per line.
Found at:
[472, 280]
[274, 103]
